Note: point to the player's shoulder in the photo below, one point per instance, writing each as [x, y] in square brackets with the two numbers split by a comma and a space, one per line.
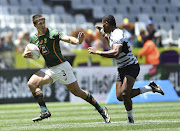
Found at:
[34, 38]
[117, 33]
[53, 31]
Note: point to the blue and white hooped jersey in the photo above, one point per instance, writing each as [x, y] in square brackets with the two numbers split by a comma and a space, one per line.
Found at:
[125, 57]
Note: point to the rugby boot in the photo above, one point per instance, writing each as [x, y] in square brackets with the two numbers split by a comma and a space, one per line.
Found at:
[129, 120]
[155, 87]
[42, 116]
[105, 115]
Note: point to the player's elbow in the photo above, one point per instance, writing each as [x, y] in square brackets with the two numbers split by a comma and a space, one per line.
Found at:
[116, 54]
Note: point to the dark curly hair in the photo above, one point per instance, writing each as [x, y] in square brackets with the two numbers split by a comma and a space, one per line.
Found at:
[110, 19]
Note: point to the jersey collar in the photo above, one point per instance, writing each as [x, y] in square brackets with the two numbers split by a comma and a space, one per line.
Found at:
[42, 34]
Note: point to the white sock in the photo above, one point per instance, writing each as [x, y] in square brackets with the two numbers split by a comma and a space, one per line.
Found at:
[130, 113]
[145, 89]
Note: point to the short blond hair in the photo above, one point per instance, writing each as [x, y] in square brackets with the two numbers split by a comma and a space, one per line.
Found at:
[37, 17]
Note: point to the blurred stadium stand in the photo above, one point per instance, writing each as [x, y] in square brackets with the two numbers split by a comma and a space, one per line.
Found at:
[70, 15]
[73, 11]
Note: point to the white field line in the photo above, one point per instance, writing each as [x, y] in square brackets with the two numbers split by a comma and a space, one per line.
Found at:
[92, 124]
[123, 122]
[85, 108]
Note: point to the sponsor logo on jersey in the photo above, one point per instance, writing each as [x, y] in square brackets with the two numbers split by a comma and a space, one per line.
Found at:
[44, 50]
[45, 40]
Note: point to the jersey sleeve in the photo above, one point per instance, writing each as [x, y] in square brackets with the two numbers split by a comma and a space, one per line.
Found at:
[57, 34]
[115, 40]
[118, 37]
[33, 39]
[61, 35]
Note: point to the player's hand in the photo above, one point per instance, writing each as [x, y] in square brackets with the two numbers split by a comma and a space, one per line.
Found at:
[27, 54]
[81, 36]
[98, 27]
[92, 50]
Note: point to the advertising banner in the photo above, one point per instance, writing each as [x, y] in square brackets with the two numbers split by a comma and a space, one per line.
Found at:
[14, 89]
[96, 80]
[169, 72]
[169, 93]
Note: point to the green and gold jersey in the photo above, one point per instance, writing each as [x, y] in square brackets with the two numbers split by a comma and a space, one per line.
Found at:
[49, 46]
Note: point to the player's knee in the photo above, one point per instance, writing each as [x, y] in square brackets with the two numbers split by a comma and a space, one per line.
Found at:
[119, 97]
[125, 93]
[29, 84]
[32, 85]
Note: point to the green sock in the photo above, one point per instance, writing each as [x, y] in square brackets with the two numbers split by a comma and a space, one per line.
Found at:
[40, 99]
[93, 102]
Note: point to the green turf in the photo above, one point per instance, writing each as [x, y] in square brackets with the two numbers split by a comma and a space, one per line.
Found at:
[158, 116]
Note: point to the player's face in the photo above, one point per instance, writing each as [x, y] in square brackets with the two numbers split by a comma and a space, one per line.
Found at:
[41, 24]
[105, 26]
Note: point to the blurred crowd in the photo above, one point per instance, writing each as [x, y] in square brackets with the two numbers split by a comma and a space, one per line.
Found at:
[7, 43]
[92, 38]
[136, 41]
[148, 38]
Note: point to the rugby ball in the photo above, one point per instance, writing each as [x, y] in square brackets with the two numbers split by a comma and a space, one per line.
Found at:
[34, 49]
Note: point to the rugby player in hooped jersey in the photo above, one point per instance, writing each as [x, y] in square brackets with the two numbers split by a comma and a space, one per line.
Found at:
[128, 67]
[57, 67]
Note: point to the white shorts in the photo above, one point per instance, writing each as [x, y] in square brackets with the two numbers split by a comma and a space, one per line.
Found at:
[62, 72]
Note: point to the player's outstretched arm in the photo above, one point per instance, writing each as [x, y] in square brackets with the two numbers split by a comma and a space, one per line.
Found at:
[73, 40]
[109, 54]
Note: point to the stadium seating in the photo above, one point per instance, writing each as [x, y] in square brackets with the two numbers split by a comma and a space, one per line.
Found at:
[119, 18]
[163, 2]
[125, 2]
[121, 9]
[59, 10]
[150, 2]
[112, 2]
[25, 3]
[99, 2]
[80, 19]
[164, 13]
[4, 2]
[46, 10]
[143, 18]
[98, 12]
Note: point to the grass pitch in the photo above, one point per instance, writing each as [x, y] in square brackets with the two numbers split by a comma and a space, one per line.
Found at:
[157, 116]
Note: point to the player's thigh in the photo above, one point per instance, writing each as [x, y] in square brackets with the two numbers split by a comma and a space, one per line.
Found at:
[128, 83]
[118, 87]
[39, 79]
[118, 91]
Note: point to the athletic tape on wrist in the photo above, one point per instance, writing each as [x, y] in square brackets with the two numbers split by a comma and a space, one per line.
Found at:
[102, 31]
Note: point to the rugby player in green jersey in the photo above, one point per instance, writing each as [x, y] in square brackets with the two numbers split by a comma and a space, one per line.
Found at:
[57, 68]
